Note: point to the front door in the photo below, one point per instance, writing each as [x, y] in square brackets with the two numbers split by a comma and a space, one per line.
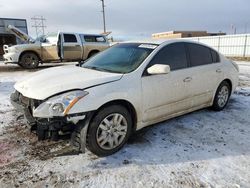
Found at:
[167, 95]
[49, 51]
[69, 47]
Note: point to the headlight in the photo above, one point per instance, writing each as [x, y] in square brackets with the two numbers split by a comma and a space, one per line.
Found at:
[59, 105]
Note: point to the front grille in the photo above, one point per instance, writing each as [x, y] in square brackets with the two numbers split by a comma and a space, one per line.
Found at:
[25, 101]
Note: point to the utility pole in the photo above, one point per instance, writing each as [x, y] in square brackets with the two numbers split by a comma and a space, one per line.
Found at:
[234, 29]
[103, 15]
[39, 25]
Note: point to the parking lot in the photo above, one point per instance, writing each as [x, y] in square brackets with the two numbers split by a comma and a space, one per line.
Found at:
[201, 149]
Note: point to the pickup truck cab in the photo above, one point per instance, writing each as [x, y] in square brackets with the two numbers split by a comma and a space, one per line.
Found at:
[59, 47]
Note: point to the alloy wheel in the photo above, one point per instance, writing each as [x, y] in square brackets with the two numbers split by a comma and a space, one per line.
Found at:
[112, 131]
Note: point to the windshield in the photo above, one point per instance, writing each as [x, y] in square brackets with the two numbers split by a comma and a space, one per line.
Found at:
[50, 37]
[121, 58]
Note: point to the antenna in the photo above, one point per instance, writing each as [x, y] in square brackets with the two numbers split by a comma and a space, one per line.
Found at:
[39, 25]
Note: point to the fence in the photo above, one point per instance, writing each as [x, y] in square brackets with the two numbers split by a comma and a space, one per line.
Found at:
[228, 45]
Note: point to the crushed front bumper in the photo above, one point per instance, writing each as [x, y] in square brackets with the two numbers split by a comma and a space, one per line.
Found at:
[51, 128]
[11, 57]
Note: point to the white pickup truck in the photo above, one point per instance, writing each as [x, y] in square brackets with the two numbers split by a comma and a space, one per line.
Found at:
[53, 48]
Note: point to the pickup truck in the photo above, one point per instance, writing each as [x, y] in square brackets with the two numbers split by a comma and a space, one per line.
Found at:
[59, 47]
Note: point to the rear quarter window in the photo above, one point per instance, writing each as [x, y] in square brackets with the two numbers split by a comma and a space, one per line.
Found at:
[89, 38]
[215, 56]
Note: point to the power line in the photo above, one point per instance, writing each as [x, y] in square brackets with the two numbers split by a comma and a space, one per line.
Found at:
[39, 25]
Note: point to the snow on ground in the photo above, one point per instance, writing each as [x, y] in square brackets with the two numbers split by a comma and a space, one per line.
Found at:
[201, 149]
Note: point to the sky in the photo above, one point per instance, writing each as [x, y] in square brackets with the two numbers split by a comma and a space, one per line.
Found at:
[132, 18]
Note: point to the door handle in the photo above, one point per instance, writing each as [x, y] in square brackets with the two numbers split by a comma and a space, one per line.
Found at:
[188, 79]
[218, 70]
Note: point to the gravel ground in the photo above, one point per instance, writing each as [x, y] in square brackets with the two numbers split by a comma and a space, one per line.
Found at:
[201, 149]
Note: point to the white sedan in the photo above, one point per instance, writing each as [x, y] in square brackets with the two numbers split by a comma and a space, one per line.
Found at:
[123, 89]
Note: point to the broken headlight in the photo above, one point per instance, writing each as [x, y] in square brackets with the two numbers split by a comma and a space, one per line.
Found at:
[59, 105]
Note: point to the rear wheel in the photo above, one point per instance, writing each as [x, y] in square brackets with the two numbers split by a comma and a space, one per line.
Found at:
[93, 53]
[29, 60]
[222, 96]
[109, 130]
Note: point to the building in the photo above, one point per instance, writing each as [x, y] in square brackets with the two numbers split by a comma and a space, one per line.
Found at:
[8, 38]
[183, 34]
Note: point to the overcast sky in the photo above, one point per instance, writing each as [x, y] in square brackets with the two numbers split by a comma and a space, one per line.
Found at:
[133, 17]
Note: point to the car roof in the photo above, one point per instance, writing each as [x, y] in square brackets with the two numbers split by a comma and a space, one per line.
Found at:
[166, 41]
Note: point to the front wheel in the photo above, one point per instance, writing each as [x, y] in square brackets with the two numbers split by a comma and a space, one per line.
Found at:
[29, 60]
[109, 130]
[222, 96]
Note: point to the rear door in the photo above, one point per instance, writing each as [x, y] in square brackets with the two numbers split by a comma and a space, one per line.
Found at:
[206, 73]
[69, 47]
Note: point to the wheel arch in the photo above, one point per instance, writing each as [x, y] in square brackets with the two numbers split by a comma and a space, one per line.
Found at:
[28, 51]
[230, 84]
[92, 51]
[124, 103]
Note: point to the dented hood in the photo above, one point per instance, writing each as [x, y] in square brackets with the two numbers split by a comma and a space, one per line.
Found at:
[48, 82]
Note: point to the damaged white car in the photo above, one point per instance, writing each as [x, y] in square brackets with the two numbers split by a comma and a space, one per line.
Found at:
[123, 89]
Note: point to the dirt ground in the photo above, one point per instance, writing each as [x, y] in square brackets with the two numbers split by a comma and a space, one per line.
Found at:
[201, 149]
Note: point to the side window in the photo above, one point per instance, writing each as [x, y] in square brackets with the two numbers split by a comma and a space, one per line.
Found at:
[89, 38]
[69, 38]
[173, 55]
[100, 39]
[215, 56]
[199, 55]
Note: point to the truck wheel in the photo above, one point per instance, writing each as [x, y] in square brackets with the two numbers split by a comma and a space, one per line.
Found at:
[109, 130]
[29, 60]
[92, 53]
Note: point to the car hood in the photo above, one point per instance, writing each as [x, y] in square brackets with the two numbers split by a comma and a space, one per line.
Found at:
[48, 82]
[20, 34]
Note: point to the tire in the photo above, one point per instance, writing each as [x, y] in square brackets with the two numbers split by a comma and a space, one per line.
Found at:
[222, 96]
[93, 53]
[109, 130]
[29, 60]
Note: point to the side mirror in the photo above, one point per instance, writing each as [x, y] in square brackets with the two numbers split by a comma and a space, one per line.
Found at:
[158, 69]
